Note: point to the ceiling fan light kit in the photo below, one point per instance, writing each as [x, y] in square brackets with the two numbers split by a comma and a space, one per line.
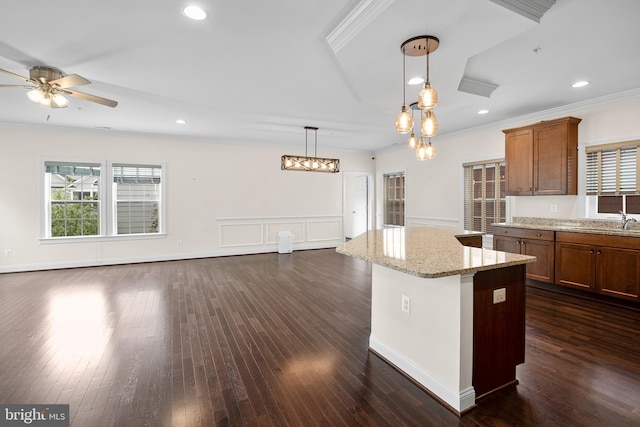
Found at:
[427, 98]
[47, 87]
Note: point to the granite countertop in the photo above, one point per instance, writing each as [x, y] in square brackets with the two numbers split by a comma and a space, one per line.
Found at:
[603, 227]
[427, 252]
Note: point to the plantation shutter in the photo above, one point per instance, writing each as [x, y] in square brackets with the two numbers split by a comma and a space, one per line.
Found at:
[484, 194]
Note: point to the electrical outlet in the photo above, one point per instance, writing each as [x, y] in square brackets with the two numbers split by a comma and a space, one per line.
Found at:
[406, 304]
[554, 207]
[8, 252]
[178, 243]
[499, 295]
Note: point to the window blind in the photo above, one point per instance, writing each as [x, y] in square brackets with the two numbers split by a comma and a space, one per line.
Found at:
[394, 199]
[612, 169]
[484, 194]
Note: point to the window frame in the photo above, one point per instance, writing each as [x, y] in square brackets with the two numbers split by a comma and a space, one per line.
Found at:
[385, 201]
[107, 202]
[467, 191]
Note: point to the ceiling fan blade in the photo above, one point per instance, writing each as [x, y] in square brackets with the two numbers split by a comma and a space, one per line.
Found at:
[18, 76]
[92, 98]
[72, 80]
[22, 86]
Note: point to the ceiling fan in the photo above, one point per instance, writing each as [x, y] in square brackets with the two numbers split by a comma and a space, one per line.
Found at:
[48, 85]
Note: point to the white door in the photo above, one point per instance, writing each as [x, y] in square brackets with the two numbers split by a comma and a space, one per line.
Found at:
[356, 205]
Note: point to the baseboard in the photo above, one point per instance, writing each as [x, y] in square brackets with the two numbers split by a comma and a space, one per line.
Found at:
[456, 401]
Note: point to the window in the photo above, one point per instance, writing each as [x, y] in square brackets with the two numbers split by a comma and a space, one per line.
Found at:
[137, 198]
[77, 205]
[394, 199]
[73, 199]
[612, 178]
[484, 194]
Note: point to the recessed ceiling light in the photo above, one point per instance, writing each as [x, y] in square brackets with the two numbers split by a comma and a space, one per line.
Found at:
[581, 83]
[181, 121]
[483, 111]
[415, 81]
[194, 12]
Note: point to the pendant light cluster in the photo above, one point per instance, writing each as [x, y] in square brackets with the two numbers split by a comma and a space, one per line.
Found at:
[427, 100]
[307, 163]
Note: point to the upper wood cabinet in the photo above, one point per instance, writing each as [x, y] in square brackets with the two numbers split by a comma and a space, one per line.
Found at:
[542, 159]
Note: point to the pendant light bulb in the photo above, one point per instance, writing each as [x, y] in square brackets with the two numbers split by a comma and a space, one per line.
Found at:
[430, 150]
[412, 142]
[404, 121]
[429, 124]
[421, 150]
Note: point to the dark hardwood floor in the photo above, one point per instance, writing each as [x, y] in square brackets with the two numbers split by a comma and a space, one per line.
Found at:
[281, 340]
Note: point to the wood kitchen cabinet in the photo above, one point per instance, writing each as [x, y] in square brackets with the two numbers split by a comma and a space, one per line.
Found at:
[542, 159]
[604, 264]
[538, 243]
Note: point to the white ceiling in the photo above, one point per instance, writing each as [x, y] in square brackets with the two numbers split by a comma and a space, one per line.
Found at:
[258, 71]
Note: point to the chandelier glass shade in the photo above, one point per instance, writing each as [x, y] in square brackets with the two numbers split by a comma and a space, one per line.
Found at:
[425, 151]
[404, 121]
[309, 163]
[428, 124]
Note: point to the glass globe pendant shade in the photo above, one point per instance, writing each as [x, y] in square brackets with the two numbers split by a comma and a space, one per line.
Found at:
[421, 150]
[404, 121]
[429, 124]
[430, 150]
[428, 97]
[412, 142]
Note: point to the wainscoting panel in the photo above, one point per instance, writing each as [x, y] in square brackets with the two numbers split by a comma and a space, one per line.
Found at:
[296, 228]
[241, 235]
[319, 231]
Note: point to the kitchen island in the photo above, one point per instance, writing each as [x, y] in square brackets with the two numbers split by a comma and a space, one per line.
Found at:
[450, 317]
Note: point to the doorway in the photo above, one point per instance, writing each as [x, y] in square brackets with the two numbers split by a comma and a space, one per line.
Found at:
[358, 200]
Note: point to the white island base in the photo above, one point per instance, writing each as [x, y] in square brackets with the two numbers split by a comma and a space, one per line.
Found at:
[433, 342]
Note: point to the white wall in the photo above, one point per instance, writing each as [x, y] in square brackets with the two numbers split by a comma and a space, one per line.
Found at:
[220, 199]
[434, 187]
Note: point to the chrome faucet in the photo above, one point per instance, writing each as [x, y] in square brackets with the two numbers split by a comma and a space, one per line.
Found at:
[625, 221]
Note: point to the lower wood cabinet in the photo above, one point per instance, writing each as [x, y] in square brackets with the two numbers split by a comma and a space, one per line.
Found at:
[538, 243]
[608, 265]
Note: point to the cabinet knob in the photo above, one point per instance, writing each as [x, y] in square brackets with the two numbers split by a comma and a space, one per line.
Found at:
[591, 251]
[599, 252]
[539, 235]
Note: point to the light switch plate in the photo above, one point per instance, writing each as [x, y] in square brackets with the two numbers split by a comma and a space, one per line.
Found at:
[499, 295]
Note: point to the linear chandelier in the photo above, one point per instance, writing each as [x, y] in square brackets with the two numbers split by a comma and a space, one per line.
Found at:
[307, 163]
[427, 99]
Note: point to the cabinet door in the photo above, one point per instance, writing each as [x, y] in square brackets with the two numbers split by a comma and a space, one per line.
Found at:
[542, 269]
[576, 265]
[550, 159]
[519, 162]
[506, 244]
[618, 272]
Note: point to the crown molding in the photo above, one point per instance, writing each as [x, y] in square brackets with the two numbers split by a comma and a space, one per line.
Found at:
[359, 17]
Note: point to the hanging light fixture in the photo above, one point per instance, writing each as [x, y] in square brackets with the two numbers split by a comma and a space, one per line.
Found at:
[404, 121]
[307, 163]
[427, 98]
[412, 142]
[425, 151]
